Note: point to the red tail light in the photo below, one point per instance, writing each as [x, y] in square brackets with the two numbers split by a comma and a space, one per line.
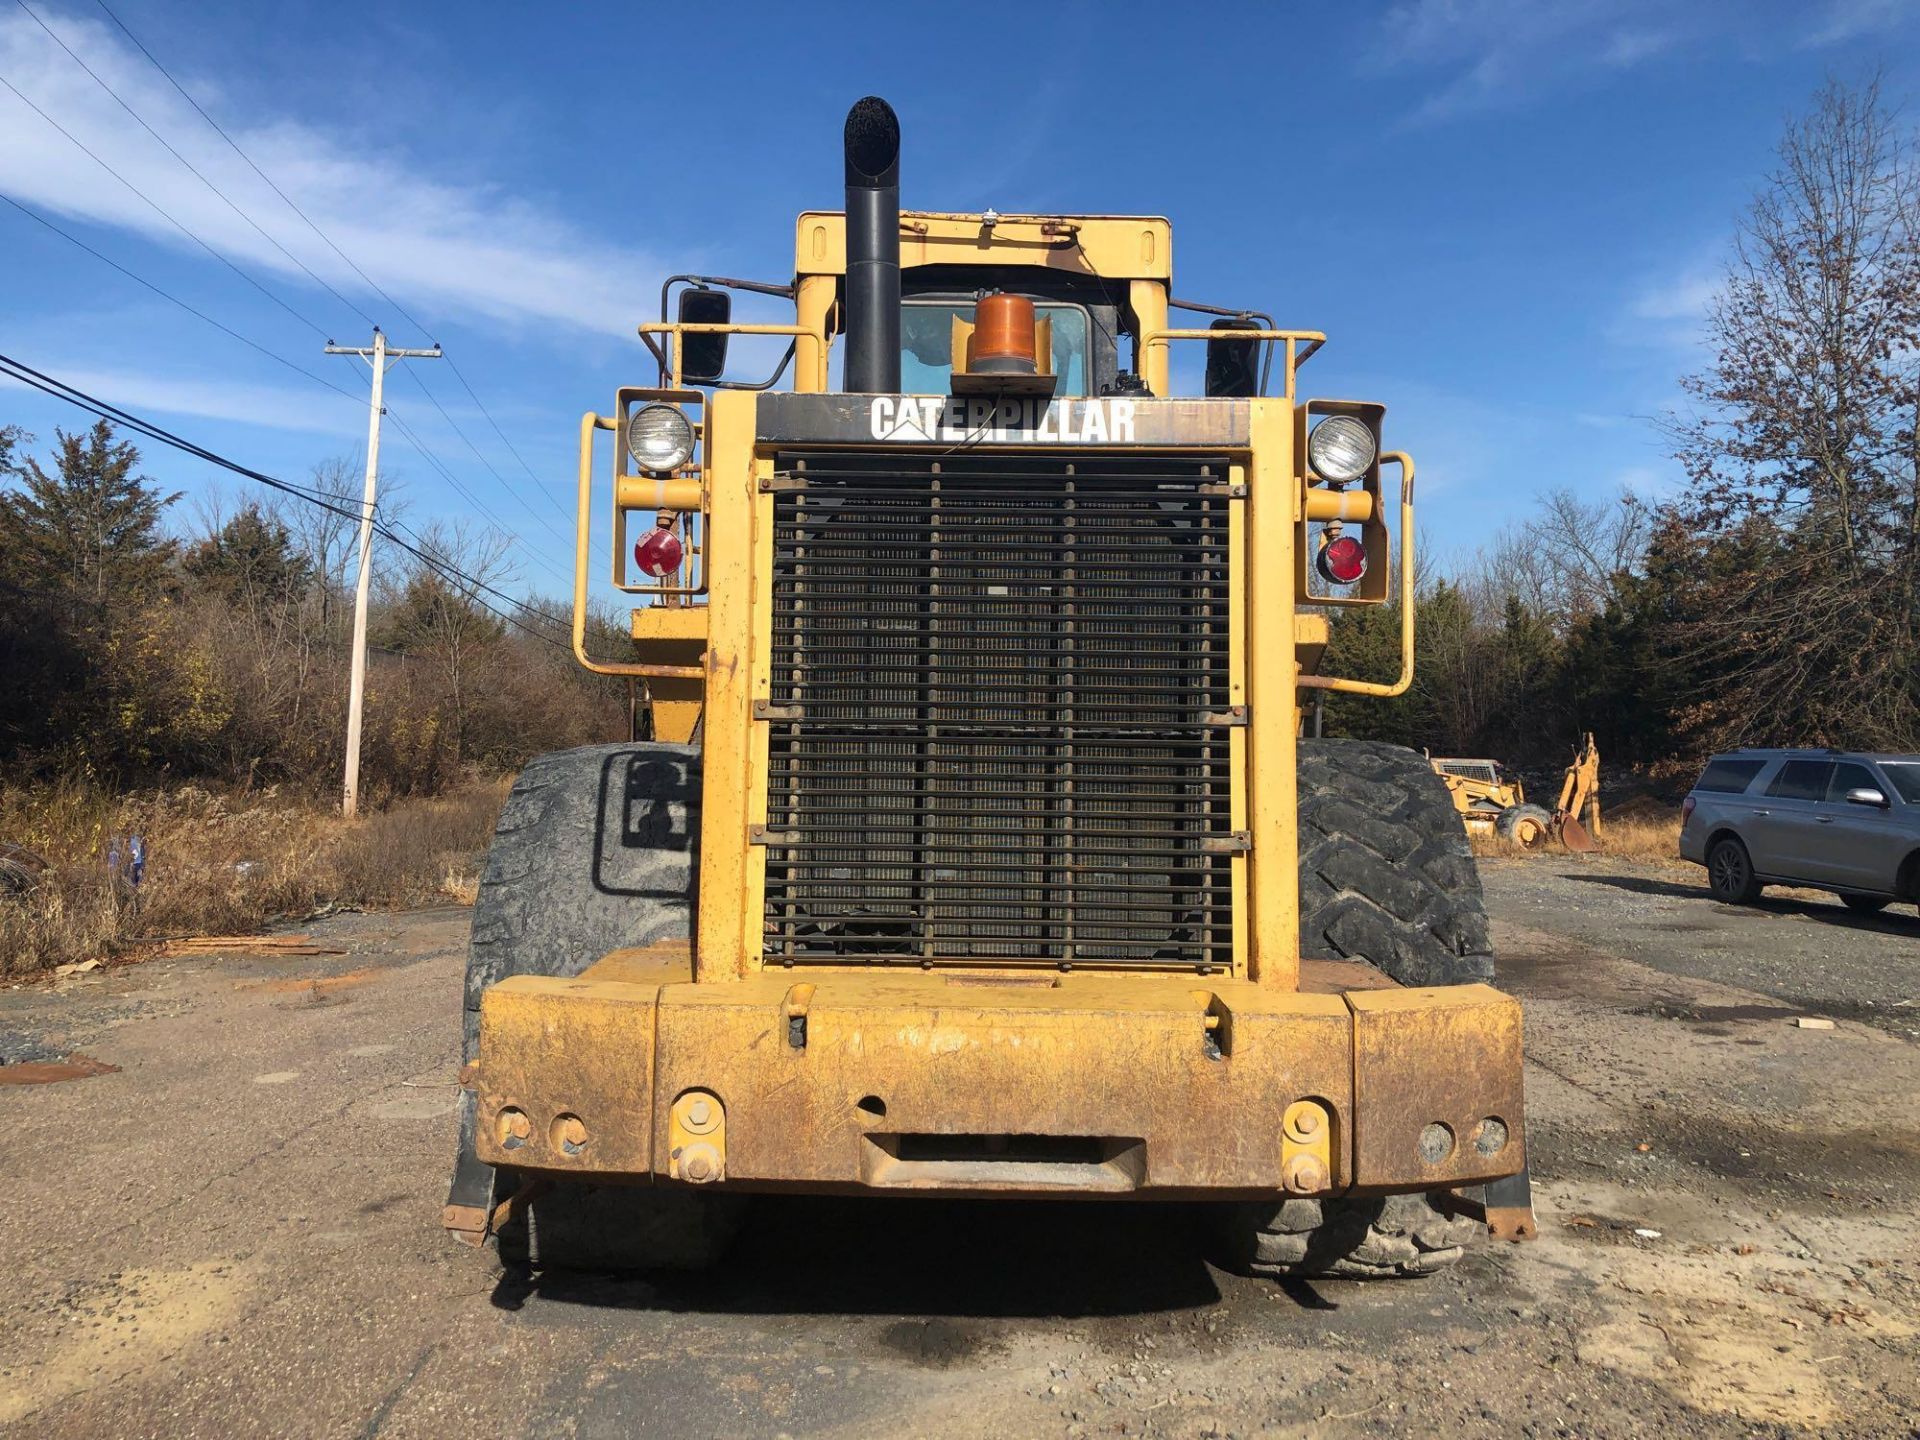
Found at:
[659, 553]
[1686, 809]
[1342, 560]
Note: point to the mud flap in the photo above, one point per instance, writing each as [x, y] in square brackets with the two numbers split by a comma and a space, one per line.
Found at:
[1508, 1208]
[470, 1196]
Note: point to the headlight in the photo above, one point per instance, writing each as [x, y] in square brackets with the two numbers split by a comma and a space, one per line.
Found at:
[1340, 448]
[659, 437]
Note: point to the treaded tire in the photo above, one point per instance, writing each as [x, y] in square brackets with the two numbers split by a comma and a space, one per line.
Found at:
[1385, 877]
[596, 848]
[1508, 826]
[1382, 1237]
[1385, 872]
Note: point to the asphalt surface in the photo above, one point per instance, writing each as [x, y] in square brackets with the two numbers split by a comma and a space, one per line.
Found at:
[236, 1233]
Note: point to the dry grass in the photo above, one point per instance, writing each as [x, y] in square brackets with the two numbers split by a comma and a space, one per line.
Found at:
[219, 864]
[1650, 834]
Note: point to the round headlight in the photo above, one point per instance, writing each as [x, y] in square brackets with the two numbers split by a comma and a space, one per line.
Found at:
[1340, 448]
[659, 437]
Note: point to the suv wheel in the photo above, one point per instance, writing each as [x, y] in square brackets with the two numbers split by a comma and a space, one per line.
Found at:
[1730, 873]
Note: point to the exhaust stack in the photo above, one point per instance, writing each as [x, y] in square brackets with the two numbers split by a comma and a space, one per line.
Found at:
[873, 248]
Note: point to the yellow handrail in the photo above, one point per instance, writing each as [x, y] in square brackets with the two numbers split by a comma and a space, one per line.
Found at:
[1313, 339]
[815, 356]
[1401, 685]
[582, 539]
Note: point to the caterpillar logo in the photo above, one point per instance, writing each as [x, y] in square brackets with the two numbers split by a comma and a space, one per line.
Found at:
[958, 420]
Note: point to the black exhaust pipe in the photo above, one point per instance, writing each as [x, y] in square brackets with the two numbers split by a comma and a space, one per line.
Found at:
[873, 248]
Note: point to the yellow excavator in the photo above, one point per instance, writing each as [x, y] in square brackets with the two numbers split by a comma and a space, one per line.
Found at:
[1492, 803]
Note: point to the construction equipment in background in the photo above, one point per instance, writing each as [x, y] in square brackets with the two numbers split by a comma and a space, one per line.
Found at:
[1576, 819]
[1492, 803]
[976, 850]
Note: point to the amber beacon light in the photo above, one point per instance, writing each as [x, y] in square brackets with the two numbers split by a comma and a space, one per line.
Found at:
[1003, 336]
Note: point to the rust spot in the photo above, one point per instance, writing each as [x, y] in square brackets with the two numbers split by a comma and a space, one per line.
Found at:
[52, 1072]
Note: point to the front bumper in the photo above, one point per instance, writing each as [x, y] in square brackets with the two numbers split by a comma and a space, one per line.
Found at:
[862, 1082]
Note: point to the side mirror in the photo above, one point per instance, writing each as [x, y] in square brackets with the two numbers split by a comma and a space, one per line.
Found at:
[1233, 366]
[1867, 797]
[703, 358]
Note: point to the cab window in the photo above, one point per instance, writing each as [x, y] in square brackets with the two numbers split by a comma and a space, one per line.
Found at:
[926, 344]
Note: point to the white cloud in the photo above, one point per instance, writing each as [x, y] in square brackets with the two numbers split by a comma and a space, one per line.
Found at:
[1844, 20]
[1495, 54]
[276, 407]
[1506, 52]
[1686, 297]
[441, 248]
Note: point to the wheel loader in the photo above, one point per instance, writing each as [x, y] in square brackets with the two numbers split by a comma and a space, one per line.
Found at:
[977, 851]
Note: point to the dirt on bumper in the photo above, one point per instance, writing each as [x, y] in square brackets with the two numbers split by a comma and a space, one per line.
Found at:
[853, 1081]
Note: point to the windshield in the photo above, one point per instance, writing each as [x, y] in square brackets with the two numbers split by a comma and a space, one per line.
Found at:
[1904, 777]
[926, 344]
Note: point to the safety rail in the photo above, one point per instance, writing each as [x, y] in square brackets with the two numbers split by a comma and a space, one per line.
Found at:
[1405, 680]
[1313, 339]
[678, 493]
[676, 332]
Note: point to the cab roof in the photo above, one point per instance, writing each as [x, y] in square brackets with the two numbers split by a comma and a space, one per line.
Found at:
[1112, 247]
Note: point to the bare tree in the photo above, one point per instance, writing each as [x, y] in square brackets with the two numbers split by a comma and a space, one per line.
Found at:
[1803, 455]
[447, 611]
[1560, 561]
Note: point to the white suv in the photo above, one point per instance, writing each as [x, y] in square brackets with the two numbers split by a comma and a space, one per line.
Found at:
[1827, 819]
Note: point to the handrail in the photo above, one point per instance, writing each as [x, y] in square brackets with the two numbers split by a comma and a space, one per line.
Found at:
[677, 333]
[582, 542]
[1405, 682]
[1314, 340]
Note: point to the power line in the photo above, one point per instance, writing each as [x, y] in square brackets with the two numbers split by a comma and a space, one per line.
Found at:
[439, 466]
[192, 169]
[197, 314]
[312, 225]
[80, 399]
[491, 421]
[235, 146]
[483, 459]
[406, 431]
[161, 211]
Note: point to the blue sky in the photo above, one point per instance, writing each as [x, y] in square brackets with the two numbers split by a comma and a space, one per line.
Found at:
[1506, 215]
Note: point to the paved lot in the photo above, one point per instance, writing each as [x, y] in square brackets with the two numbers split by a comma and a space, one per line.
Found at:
[236, 1233]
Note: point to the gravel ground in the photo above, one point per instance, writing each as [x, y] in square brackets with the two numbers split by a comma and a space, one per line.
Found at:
[1803, 947]
[237, 1233]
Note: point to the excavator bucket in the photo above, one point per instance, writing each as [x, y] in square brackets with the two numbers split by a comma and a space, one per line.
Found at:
[1574, 836]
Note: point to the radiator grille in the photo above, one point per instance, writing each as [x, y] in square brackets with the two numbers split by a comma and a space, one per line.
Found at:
[1001, 693]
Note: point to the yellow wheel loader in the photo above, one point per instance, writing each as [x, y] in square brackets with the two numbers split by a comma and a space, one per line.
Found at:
[978, 852]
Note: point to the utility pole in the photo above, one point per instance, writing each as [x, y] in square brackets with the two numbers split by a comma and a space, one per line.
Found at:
[378, 358]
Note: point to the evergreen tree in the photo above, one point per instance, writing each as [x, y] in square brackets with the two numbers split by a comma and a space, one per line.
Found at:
[251, 560]
[88, 531]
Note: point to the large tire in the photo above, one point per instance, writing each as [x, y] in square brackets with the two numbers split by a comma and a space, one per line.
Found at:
[1527, 826]
[596, 848]
[1385, 877]
[1385, 872]
[1386, 1236]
